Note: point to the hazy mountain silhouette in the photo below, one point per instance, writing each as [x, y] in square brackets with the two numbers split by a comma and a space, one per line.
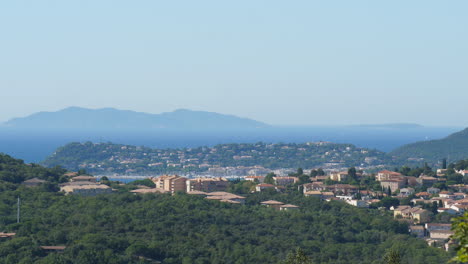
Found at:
[76, 118]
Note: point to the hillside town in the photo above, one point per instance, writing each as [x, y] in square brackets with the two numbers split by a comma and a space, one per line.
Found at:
[218, 161]
[425, 203]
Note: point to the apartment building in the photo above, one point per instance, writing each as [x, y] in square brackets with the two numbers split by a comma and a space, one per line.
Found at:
[171, 183]
[207, 184]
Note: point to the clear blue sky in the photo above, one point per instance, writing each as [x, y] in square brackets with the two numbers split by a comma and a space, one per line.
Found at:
[281, 62]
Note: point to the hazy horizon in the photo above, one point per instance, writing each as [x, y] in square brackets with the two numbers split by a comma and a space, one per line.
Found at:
[274, 125]
[302, 63]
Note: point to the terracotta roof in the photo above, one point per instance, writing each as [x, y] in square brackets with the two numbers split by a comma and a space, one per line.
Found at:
[289, 206]
[152, 190]
[196, 193]
[230, 201]
[53, 247]
[438, 224]
[265, 185]
[3, 235]
[34, 180]
[389, 172]
[313, 192]
[271, 202]
[423, 194]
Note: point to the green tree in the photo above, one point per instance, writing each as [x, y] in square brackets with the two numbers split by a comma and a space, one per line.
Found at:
[300, 172]
[392, 257]
[460, 227]
[269, 178]
[352, 173]
[299, 257]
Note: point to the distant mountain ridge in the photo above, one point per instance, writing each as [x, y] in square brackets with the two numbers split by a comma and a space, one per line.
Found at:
[453, 147]
[77, 118]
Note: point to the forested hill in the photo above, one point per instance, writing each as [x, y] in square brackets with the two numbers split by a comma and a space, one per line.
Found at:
[13, 171]
[114, 158]
[453, 147]
[160, 228]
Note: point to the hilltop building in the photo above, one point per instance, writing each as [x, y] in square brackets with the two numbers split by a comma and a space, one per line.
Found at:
[171, 183]
[207, 184]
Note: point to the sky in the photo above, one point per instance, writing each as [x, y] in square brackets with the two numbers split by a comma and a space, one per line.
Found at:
[281, 62]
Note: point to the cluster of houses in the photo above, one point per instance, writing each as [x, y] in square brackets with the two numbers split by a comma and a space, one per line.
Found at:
[78, 184]
[85, 186]
[435, 234]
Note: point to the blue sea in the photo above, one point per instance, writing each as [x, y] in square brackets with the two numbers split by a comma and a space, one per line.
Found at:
[35, 146]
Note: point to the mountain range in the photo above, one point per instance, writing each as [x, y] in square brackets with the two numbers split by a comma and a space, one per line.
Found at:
[76, 118]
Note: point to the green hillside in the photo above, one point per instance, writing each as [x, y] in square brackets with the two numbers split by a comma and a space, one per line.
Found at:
[160, 228]
[453, 147]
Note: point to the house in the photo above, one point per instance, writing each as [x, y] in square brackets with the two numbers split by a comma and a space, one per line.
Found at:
[463, 172]
[313, 194]
[405, 192]
[272, 204]
[225, 197]
[426, 180]
[71, 174]
[207, 184]
[423, 201]
[345, 189]
[387, 175]
[460, 208]
[171, 183]
[339, 176]
[433, 190]
[314, 186]
[441, 234]
[327, 195]
[200, 193]
[51, 249]
[418, 231]
[285, 180]
[441, 171]
[288, 207]
[358, 203]
[319, 178]
[424, 195]
[34, 182]
[83, 178]
[263, 186]
[417, 214]
[7, 235]
[446, 194]
[260, 179]
[446, 210]
[150, 190]
[86, 190]
[437, 226]
[394, 184]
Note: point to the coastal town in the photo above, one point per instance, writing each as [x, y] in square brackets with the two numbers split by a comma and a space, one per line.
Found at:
[425, 203]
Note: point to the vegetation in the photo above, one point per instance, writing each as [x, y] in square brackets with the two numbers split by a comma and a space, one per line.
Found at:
[454, 147]
[460, 226]
[151, 228]
[113, 158]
